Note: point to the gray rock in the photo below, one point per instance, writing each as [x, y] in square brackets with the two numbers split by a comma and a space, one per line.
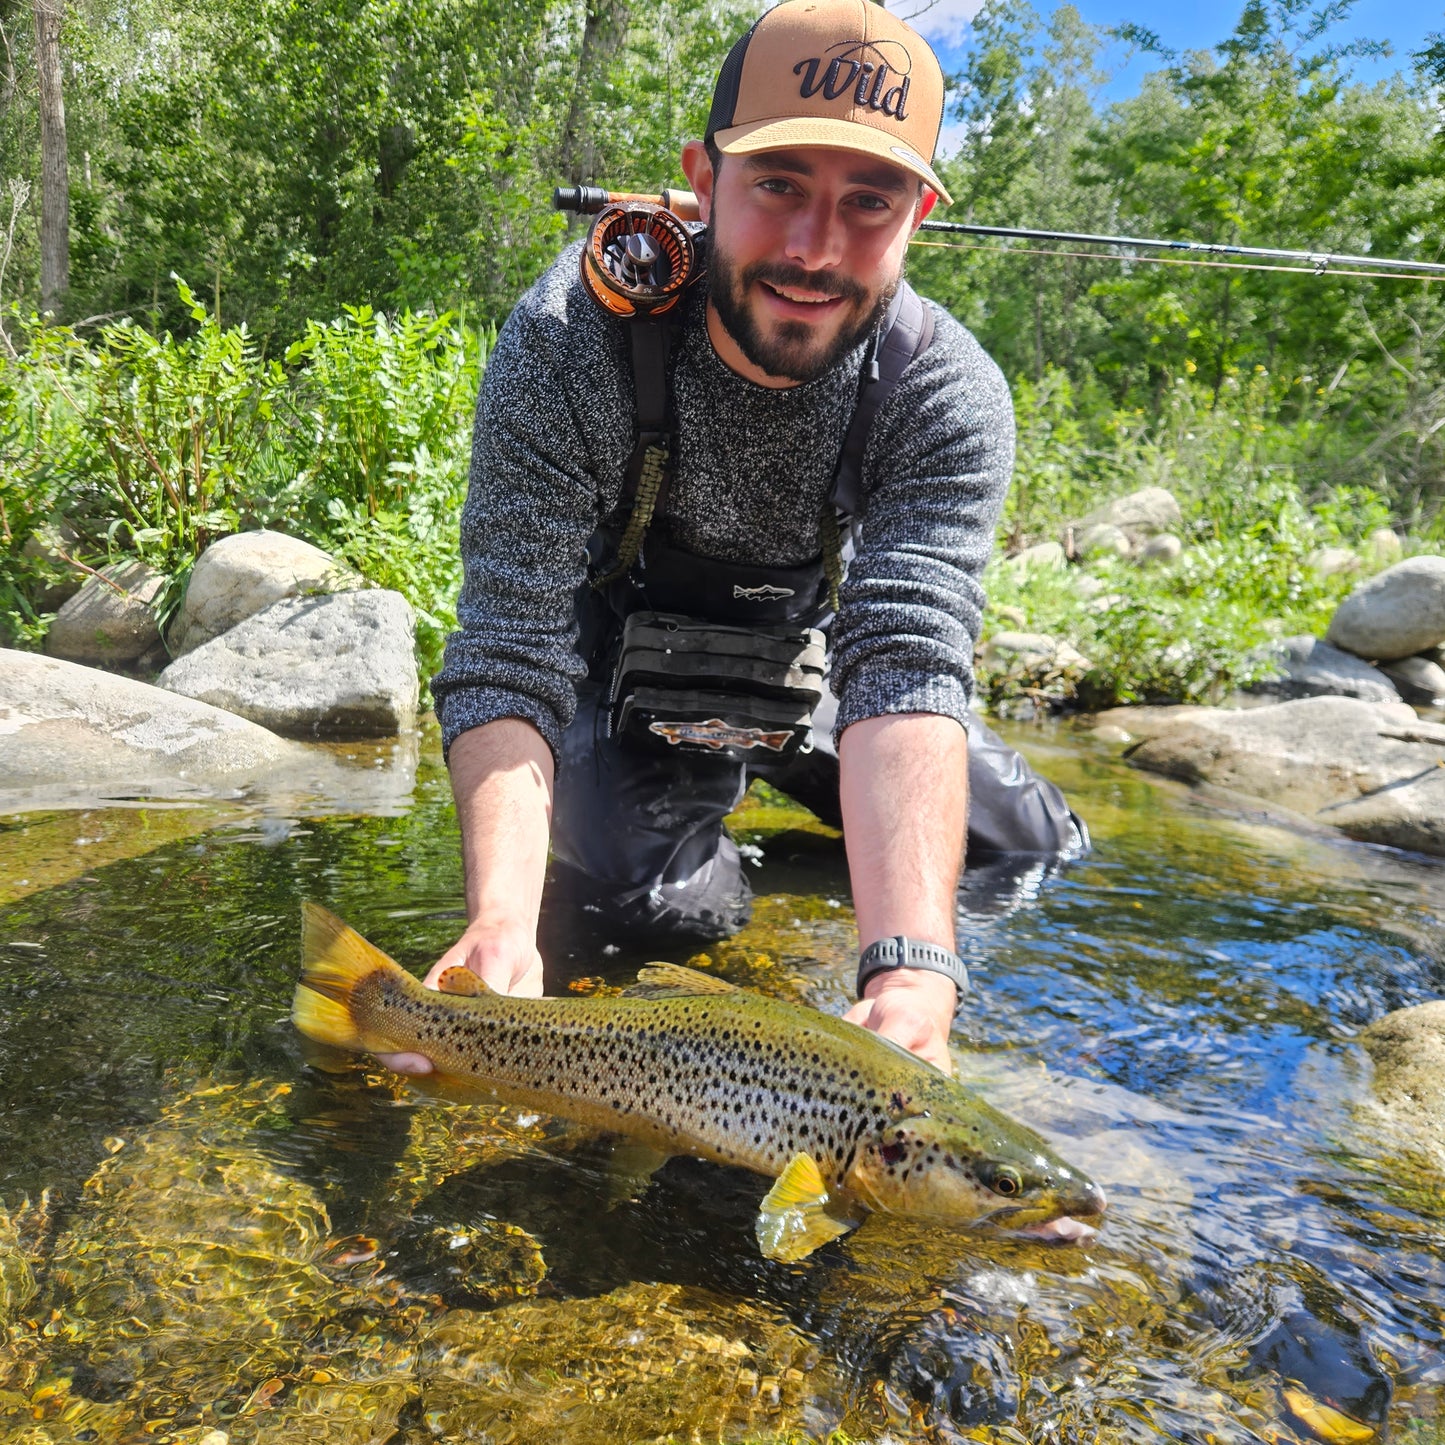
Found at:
[1372, 770]
[1396, 614]
[1407, 1048]
[1419, 680]
[1046, 557]
[333, 666]
[1101, 539]
[236, 577]
[1030, 650]
[1333, 561]
[1306, 667]
[1141, 514]
[1383, 547]
[1161, 549]
[73, 736]
[51, 545]
[109, 621]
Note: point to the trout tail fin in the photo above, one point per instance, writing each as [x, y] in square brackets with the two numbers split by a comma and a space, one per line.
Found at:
[335, 961]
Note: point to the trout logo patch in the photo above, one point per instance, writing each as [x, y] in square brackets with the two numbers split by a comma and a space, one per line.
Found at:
[716, 734]
[765, 593]
[866, 69]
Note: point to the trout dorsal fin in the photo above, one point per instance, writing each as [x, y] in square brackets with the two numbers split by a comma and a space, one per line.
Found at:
[672, 980]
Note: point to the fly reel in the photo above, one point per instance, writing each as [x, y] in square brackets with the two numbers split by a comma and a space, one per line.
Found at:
[639, 260]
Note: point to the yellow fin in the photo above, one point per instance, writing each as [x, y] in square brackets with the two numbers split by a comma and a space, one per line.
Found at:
[630, 1170]
[334, 960]
[460, 980]
[793, 1221]
[672, 980]
[1328, 1423]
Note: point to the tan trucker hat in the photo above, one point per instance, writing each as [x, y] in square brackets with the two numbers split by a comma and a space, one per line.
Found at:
[839, 73]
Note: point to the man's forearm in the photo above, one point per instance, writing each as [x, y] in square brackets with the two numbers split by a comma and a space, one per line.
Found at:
[502, 781]
[903, 782]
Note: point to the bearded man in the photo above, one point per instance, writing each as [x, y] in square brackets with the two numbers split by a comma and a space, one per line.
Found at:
[815, 171]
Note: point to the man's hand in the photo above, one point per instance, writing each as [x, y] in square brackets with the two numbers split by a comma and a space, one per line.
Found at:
[913, 1007]
[506, 963]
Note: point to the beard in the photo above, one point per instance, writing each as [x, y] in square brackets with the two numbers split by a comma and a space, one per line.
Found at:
[793, 350]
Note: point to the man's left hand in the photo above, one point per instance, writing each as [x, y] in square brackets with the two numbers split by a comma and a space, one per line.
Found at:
[913, 1007]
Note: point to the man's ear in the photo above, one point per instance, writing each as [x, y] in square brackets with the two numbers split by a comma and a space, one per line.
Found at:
[926, 203]
[697, 167]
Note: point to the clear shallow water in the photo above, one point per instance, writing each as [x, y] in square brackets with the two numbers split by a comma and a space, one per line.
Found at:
[273, 1251]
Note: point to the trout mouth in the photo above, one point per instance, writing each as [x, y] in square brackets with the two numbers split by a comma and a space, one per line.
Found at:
[1062, 1221]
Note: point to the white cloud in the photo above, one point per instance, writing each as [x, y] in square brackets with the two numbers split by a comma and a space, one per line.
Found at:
[944, 22]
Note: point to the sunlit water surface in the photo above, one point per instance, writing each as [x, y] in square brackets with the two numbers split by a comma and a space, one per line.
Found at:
[266, 1250]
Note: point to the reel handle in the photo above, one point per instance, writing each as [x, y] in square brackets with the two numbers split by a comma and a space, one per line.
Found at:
[589, 200]
[638, 259]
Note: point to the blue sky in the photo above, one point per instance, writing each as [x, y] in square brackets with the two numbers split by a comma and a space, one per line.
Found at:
[1195, 24]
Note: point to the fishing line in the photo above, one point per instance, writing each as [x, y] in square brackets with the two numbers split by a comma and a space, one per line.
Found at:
[1316, 271]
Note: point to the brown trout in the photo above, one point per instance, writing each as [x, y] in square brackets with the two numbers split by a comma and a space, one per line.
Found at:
[685, 1063]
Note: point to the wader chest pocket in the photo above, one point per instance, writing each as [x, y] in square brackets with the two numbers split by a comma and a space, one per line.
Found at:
[700, 687]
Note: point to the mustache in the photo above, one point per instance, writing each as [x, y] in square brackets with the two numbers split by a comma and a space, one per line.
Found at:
[823, 283]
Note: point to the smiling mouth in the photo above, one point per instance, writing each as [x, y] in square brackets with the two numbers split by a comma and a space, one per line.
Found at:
[800, 297]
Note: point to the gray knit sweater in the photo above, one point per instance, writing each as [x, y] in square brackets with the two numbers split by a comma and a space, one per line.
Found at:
[553, 434]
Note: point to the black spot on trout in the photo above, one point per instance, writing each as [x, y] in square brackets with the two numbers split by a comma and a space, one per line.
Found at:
[685, 1063]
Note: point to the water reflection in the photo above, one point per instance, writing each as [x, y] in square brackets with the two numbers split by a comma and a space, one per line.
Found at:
[265, 1249]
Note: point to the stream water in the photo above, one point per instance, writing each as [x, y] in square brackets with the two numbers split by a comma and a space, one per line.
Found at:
[211, 1239]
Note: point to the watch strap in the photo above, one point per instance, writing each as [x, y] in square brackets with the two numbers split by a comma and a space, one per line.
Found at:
[901, 952]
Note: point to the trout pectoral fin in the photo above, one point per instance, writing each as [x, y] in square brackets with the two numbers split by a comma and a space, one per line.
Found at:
[793, 1220]
[458, 979]
[630, 1170]
[1328, 1423]
[672, 980]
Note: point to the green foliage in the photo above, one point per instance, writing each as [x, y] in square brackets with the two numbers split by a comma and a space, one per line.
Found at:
[153, 446]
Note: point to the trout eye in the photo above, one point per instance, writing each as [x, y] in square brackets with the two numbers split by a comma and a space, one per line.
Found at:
[1006, 1181]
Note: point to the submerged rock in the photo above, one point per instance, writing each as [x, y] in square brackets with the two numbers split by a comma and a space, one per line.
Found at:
[1407, 1048]
[337, 666]
[235, 577]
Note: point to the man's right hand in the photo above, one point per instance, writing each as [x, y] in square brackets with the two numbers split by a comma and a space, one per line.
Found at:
[508, 963]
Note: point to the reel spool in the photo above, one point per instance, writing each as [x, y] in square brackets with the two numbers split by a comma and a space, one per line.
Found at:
[638, 260]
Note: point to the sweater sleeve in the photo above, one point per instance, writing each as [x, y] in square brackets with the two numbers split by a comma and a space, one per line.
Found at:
[935, 474]
[532, 502]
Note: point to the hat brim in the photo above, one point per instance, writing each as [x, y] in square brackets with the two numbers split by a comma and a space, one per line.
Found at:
[846, 135]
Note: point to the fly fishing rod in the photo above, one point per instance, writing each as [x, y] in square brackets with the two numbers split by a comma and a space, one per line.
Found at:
[589, 200]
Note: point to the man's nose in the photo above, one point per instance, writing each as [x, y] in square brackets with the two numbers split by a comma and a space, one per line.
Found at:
[815, 238]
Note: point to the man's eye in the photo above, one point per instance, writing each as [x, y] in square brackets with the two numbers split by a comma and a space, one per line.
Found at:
[775, 186]
[872, 203]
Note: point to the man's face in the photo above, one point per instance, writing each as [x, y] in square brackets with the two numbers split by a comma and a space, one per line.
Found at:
[805, 252]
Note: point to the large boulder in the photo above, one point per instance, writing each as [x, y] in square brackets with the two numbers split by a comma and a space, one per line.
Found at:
[1407, 1048]
[1397, 613]
[73, 736]
[110, 620]
[1140, 515]
[1372, 770]
[1304, 666]
[236, 577]
[332, 666]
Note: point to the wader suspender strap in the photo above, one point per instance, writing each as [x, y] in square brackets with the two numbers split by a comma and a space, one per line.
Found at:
[649, 467]
[905, 334]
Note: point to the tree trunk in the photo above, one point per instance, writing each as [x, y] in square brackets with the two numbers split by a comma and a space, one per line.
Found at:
[54, 170]
[602, 35]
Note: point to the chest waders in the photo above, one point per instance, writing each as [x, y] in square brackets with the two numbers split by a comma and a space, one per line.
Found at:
[701, 655]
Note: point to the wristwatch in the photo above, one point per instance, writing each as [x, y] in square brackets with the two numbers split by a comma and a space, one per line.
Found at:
[901, 952]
